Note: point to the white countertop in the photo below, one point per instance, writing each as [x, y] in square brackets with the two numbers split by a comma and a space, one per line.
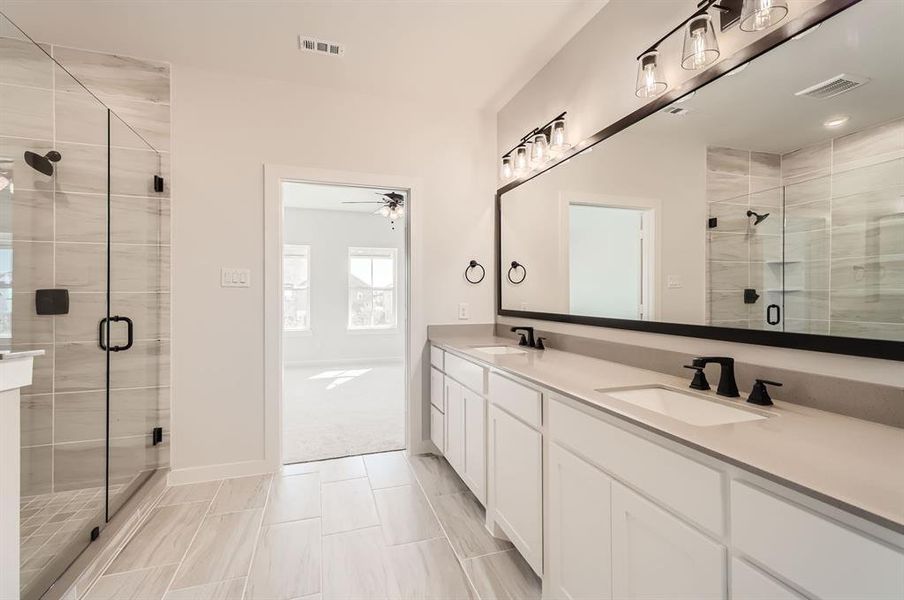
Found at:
[850, 463]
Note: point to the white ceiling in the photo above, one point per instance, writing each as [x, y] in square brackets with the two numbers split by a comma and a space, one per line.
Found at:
[331, 197]
[476, 54]
[756, 109]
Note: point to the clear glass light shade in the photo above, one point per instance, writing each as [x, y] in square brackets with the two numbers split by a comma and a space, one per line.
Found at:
[700, 45]
[384, 211]
[558, 136]
[506, 171]
[757, 15]
[522, 163]
[539, 150]
[650, 82]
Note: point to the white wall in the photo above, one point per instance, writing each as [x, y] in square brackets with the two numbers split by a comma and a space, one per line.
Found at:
[592, 78]
[225, 129]
[330, 233]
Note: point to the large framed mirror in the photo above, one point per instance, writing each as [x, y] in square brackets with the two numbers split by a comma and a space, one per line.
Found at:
[762, 202]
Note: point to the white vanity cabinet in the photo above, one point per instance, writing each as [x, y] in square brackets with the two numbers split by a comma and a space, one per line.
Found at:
[579, 529]
[458, 417]
[515, 501]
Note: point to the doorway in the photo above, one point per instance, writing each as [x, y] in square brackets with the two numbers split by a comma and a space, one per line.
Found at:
[344, 320]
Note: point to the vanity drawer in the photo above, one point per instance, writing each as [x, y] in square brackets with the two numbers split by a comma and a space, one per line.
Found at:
[823, 558]
[749, 583]
[465, 373]
[515, 398]
[690, 488]
[436, 357]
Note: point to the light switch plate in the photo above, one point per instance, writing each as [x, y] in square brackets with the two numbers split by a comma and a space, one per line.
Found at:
[464, 312]
[231, 277]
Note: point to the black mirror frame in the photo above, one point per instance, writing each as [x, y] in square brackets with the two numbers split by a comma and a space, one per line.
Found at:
[886, 349]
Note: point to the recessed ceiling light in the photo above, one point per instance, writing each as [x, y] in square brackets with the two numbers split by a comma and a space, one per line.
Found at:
[806, 32]
[836, 122]
[736, 70]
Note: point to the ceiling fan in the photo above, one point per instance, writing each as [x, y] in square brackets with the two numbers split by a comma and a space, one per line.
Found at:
[393, 205]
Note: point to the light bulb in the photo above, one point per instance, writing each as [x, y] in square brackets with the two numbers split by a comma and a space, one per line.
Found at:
[393, 213]
[700, 45]
[4, 182]
[506, 171]
[757, 15]
[384, 211]
[538, 150]
[400, 210]
[521, 160]
[649, 84]
[558, 138]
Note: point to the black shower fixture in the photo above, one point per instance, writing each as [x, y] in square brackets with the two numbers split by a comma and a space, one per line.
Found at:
[42, 164]
[759, 217]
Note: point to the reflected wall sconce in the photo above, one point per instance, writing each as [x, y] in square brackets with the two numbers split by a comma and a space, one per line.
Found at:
[535, 149]
[516, 266]
[701, 47]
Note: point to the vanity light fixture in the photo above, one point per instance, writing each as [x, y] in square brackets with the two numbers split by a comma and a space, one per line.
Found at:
[535, 149]
[757, 15]
[836, 122]
[700, 45]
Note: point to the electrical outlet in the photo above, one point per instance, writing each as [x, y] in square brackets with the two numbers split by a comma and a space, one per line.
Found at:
[464, 312]
[230, 277]
[674, 282]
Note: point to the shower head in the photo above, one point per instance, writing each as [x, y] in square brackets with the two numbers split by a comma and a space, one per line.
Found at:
[42, 164]
[759, 217]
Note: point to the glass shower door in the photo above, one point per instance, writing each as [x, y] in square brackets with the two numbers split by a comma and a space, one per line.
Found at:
[137, 321]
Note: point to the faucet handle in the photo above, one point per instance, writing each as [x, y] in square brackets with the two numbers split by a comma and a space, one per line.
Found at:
[539, 344]
[523, 341]
[760, 394]
[699, 382]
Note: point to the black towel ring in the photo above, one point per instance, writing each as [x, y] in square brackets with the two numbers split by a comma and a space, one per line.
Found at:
[473, 264]
[517, 265]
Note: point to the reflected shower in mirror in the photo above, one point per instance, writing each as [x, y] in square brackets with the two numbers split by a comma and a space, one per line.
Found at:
[770, 199]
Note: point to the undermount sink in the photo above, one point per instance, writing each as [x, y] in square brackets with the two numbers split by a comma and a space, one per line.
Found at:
[689, 408]
[499, 350]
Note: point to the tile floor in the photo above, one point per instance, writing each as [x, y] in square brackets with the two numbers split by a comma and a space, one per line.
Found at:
[343, 410]
[377, 526]
[49, 524]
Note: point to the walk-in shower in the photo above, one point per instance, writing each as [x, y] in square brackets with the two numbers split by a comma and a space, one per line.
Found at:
[80, 217]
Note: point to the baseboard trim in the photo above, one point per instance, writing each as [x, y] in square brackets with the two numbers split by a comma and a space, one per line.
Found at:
[222, 471]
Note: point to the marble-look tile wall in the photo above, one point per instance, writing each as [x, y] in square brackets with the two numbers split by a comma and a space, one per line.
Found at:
[55, 230]
[844, 242]
[740, 254]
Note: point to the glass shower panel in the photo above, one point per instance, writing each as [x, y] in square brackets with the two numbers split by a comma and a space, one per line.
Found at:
[53, 177]
[138, 322]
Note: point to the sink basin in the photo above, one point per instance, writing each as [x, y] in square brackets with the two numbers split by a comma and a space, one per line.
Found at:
[499, 350]
[688, 408]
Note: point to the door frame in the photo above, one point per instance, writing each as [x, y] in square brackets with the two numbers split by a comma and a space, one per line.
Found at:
[415, 323]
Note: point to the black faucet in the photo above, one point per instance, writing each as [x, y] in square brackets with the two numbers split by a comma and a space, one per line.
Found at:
[527, 338]
[727, 384]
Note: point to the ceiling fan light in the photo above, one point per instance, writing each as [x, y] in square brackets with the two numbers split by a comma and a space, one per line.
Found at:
[757, 15]
[384, 210]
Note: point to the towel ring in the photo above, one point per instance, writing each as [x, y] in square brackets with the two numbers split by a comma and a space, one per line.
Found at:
[473, 264]
[517, 265]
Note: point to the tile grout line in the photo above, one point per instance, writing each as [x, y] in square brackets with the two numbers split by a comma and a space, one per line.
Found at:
[260, 533]
[442, 527]
[193, 538]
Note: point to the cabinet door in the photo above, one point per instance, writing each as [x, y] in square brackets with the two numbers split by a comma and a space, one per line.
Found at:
[455, 426]
[475, 473]
[579, 534]
[657, 555]
[517, 484]
[437, 429]
[437, 390]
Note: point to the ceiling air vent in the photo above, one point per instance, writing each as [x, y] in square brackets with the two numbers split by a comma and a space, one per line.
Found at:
[309, 44]
[676, 111]
[834, 86]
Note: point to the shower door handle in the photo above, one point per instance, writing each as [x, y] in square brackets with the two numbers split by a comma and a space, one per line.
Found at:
[130, 331]
[778, 314]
